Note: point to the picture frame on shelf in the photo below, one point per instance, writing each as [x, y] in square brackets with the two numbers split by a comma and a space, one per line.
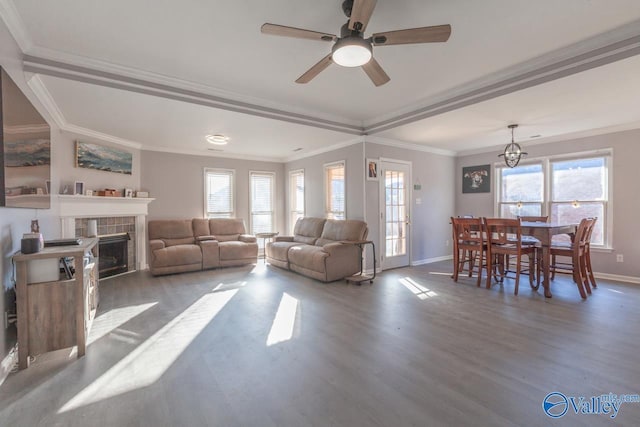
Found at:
[128, 192]
[47, 186]
[142, 194]
[88, 192]
[372, 170]
[78, 188]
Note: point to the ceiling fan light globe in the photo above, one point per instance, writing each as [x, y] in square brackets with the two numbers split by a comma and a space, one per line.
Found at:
[351, 52]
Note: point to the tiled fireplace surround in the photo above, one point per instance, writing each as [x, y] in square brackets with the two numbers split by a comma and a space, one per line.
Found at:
[114, 215]
[113, 225]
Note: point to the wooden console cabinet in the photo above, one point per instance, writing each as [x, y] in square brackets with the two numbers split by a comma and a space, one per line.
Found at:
[57, 314]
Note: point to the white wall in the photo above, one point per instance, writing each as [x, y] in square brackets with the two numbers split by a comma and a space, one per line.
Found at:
[626, 203]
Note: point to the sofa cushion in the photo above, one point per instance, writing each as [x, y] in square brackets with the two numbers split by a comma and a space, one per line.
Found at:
[279, 250]
[309, 257]
[237, 250]
[336, 230]
[172, 232]
[200, 227]
[307, 230]
[177, 255]
[224, 226]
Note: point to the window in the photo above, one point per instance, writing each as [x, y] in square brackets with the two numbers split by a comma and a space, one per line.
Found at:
[262, 186]
[296, 197]
[521, 191]
[218, 193]
[566, 188]
[579, 190]
[335, 190]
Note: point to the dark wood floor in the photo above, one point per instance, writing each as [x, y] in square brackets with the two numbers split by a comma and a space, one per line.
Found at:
[414, 348]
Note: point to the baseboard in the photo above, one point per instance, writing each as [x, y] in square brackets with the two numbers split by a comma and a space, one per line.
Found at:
[370, 271]
[617, 277]
[8, 362]
[431, 260]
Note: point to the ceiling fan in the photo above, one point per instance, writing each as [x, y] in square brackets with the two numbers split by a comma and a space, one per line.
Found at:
[351, 49]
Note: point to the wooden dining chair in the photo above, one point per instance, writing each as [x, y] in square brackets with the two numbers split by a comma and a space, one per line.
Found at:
[469, 247]
[577, 251]
[504, 239]
[534, 241]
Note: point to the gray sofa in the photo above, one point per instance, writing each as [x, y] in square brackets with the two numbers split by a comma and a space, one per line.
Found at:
[315, 249]
[181, 245]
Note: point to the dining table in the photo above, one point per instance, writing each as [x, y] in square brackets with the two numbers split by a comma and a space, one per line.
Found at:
[544, 232]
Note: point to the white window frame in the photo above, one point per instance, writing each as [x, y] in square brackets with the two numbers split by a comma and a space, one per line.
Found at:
[327, 212]
[272, 175]
[546, 161]
[293, 212]
[230, 172]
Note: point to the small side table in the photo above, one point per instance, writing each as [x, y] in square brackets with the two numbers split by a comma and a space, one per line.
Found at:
[359, 278]
[265, 237]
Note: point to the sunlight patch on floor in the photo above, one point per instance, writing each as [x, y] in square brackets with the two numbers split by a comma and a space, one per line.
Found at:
[147, 362]
[441, 274]
[114, 318]
[613, 290]
[229, 286]
[285, 320]
[417, 289]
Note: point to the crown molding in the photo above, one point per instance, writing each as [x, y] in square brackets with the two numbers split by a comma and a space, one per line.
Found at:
[615, 45]
[408, 146]
[14, 23]
[324, 149]
[44, 96]
[78, 130]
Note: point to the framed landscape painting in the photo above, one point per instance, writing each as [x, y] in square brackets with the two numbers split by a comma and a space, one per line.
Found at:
[99, 157]
[476, 179]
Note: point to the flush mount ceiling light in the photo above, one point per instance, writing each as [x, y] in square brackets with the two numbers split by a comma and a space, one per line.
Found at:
[217, 139]
[512, 152]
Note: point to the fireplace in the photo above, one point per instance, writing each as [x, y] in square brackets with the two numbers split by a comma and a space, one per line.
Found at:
[114, 254]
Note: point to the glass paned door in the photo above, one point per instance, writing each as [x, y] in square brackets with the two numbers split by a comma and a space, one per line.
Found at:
[394, 214]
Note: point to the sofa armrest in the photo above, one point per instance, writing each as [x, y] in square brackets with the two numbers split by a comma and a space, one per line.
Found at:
[338, 249]
[156, 244]
[205, 238]
[283, 239]
[247, 238]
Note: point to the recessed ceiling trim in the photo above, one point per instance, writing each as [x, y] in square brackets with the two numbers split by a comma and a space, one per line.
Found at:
[576, 64]
[408, 146]
[324, 149]
[210, 153]
[118, 81]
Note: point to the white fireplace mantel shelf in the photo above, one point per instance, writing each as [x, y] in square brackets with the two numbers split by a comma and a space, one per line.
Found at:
[72, 207]
[98, 206]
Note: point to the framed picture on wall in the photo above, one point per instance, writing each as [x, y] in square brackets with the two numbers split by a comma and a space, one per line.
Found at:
[78, 188]
[476, 179]
[372, 169]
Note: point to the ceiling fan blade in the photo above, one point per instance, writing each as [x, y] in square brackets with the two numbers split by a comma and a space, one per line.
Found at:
[375, 72]
[438, 33]
[299, 33]
[360, 14]
[315, 70]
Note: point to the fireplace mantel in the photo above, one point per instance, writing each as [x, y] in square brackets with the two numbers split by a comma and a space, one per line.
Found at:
[97, 206]
[72, 207]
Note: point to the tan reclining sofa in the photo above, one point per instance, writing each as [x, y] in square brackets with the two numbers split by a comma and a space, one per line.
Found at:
[179, 245]
[315, 250]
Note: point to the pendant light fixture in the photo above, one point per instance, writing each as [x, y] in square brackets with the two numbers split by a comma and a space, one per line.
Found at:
[512, 152]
